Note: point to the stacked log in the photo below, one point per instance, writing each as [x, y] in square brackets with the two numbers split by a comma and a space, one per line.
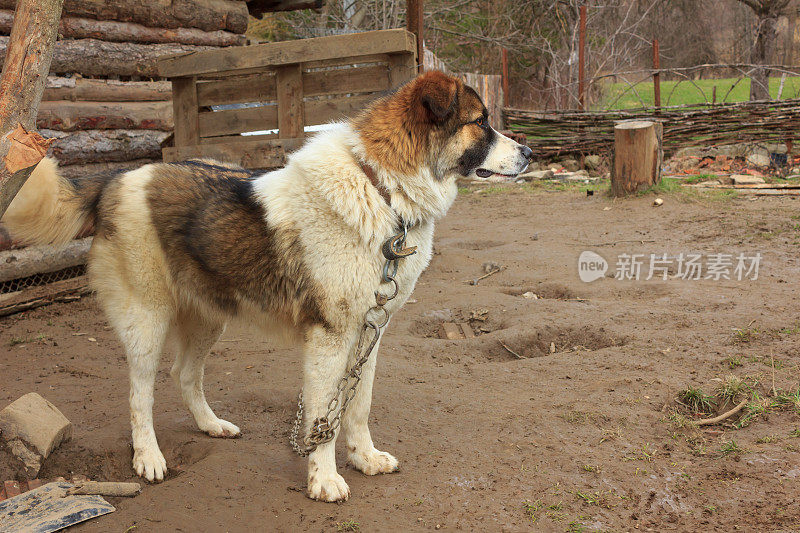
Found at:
[104, 102]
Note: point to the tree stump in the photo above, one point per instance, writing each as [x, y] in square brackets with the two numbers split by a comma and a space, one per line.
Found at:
[637, 156]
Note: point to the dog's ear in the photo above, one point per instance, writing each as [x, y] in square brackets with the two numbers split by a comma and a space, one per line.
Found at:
[438, 95]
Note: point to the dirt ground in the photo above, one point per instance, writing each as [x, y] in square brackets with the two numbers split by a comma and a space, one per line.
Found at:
[582, 432]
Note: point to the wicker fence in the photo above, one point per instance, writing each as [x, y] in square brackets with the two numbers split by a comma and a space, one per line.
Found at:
[551, 133]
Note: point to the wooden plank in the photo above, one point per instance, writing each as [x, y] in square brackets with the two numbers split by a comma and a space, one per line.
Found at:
[249, 154]
[185, 113]
[402, 68]
[451, 331]
[261, 87]
[289, 86]
[236, 138]
[322, 111]
[237, 90]
[231, 121]
[60, 291]
[346, 81]
[287, 52]
[350, 61]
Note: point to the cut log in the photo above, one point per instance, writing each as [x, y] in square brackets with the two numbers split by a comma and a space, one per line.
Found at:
[92, 146]
[25, 67]
[80, 89]
[43, 259]
[91, 57]
[76, 171]
[107, 30]
[637, 156]
[209, 15]
[259, 7]
[71, 116]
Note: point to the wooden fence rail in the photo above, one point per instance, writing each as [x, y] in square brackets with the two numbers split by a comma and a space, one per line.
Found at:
[553, 133]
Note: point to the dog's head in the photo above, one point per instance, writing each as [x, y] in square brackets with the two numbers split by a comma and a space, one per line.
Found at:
[438, 121]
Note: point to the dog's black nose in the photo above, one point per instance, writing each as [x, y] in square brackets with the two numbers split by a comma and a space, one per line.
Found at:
[527, 153]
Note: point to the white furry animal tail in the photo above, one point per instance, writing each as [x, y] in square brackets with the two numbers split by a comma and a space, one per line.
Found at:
[49, 209]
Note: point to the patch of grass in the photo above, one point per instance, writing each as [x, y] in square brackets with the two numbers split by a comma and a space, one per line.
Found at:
[591, 468]
[532, 509]
[697, 400]
[576, 526]
[789, 399]
[348, 525]
[731, 387]
[679, 420]
[768, 439]
[752, 410]
[645, 453]
[686, 92]
[745, 335]
[730, 447]
[579, 417]
[795, 433]
[464, 190]
[732, 361]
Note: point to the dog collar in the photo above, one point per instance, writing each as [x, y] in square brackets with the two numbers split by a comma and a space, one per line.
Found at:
[373, 178]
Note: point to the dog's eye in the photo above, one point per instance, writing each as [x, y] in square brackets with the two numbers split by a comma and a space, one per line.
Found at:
[481, 122]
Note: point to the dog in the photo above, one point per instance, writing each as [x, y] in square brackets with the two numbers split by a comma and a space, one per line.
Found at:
[181, 249]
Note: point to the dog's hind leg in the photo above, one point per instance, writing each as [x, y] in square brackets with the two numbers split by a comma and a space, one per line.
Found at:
[143, 330]
[361, 452]
[325, 363]
[196, 336]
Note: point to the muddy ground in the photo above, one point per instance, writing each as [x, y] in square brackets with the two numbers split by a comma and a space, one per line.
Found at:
[579, 431]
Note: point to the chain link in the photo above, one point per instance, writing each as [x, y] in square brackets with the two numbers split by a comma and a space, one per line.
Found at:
[323, 429]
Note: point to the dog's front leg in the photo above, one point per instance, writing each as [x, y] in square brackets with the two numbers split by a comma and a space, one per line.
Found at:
[361, 452]
[326, 358]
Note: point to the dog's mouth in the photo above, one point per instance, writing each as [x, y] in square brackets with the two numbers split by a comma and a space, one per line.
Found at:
[484, 173]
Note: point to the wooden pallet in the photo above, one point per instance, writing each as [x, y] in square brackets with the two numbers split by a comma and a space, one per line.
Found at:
[287, 85]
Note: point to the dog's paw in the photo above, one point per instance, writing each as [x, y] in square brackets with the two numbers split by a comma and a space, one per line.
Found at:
[374, 462]
[331, 488]
[220, 428]
[150, 464]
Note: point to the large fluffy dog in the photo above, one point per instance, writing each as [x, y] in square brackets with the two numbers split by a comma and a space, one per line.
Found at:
[183, 248]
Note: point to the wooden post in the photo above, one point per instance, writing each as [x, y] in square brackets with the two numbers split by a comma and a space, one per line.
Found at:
[27, 63]
[414, 24]
[637, 156]
[582, 60]
[184, 111]
[505, 78]
[291, 120]
[656, 76]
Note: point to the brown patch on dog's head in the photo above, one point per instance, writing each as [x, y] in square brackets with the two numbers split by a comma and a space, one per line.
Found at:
[434, 120]
[397, 130]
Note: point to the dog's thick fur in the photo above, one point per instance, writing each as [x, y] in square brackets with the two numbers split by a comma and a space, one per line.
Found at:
[183, 248]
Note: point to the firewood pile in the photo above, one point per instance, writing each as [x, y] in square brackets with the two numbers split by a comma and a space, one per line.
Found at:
[104, 101]
[551, 133]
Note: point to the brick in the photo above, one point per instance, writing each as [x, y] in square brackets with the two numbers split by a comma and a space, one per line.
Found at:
[12, 489]
[36, 422]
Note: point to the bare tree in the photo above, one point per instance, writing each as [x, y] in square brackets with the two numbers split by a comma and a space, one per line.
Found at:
[766, 39]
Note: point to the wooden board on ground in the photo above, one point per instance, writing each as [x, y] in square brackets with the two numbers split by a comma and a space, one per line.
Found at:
[67, 290]
[453, 331]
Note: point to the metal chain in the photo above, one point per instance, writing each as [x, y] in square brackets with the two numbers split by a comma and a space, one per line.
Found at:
[323, 429]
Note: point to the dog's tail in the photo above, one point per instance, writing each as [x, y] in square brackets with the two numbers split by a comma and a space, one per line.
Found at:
[51, 209]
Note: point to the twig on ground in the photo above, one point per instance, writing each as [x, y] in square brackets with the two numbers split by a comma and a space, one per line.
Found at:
[512, 352]
[772, 363]
[723, 416]
[493, 272]
[612, 243]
